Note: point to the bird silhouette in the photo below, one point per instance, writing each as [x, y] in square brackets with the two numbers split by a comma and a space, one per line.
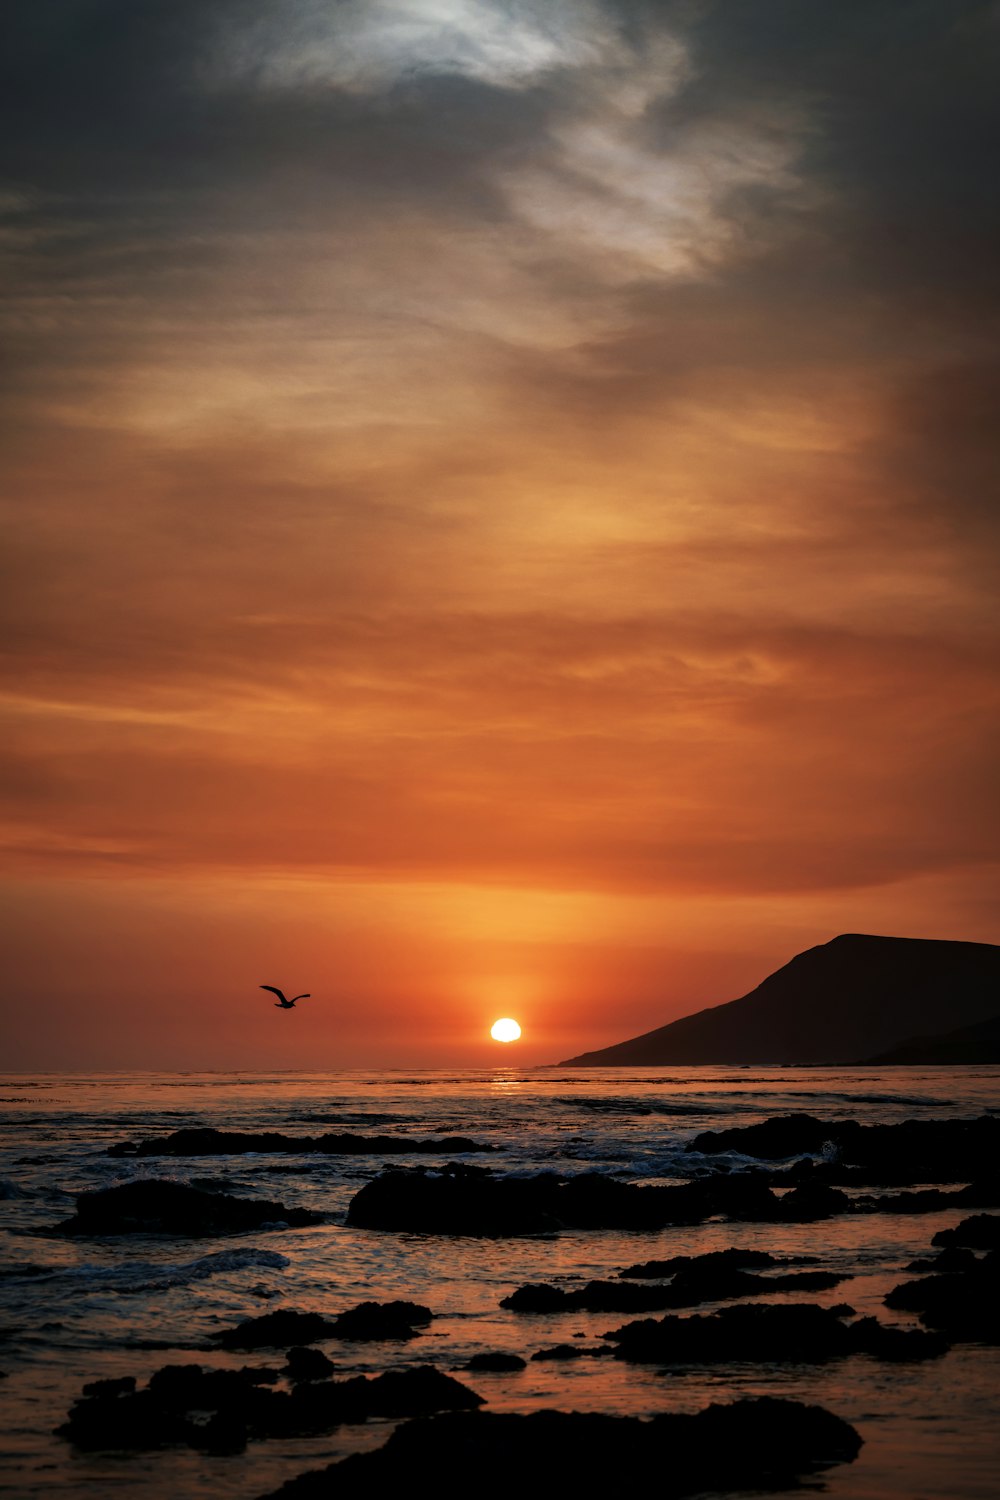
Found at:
[281, 1003]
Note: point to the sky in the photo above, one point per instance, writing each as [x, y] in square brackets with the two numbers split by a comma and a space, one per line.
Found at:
[500, 514]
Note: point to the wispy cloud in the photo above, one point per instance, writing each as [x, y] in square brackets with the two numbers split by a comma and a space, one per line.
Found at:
[502, 447]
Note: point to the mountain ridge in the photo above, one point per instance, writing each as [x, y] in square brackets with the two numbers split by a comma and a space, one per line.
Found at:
[964, 1046]
[853, 997]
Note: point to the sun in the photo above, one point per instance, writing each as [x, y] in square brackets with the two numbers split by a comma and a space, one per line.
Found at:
[505, 1030]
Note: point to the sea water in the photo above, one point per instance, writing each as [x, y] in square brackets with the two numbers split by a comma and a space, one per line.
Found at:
[76, 1310]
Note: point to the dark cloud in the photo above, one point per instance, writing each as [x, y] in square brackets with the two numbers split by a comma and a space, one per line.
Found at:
[103, 98]
[580, 475]
[903, 122]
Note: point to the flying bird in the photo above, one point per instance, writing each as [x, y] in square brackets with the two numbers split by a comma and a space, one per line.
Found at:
[281, 1003]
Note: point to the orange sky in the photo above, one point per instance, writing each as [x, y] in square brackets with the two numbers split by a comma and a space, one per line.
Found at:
[500, 514]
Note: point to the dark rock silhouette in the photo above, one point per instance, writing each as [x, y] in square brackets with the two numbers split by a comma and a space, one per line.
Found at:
[951, 1259]
[572, 1351]
[242, 1407]
[370, 1321]
[966, 1046]
[124, 1385]
[367, 1322]
[202, 1141]
[734, 1258]
[909, 1152]
[688, 1287]
[455, 1203]
[931, 1200]
[980, 1232]
[158, 1206]
[747, 1445]
[963, 1304]
[303, 1363]
[596, 1296]
[497, 1362]
[797, 1333]
[276, 1330]
[844, 1000]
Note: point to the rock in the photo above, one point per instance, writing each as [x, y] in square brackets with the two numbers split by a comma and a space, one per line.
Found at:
[454, 1203]
[225, 1433]
[895, 1345]
[124, 1385]
[980, 1232]
[923, 1201]
[414, 1392]
[810, 1202]
[203, 1141]
[537, 1297]
[983, 1193]
[302, 1363]
[369, 1320]
[596, 1296]
[159, 1415]
[690, 1285]
[950, 1259]
[571, 1351]
[738, 1195]
[749, 1444]
[320, 1406]
[240, 1406]
[159, 1206]
[964, 1305]
[772, 1333]
[775, 1139]
[909, 1152]
[499, 1362]
[191, 1387]
[276, 1330]
[381, 1320]
[735, 1258]
[134, 1421]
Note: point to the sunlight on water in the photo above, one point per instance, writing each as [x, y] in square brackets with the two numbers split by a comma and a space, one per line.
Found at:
[75, 1310]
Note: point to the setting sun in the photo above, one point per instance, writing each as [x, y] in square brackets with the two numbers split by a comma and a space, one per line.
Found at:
[505, 1030]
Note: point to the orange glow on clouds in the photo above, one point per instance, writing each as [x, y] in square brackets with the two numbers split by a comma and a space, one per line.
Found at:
[500, 528]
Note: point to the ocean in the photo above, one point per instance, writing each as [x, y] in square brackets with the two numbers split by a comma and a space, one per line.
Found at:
[74, 1310]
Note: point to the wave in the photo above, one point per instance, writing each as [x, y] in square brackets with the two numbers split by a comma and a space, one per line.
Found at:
[136, 1276]
[924, 1101]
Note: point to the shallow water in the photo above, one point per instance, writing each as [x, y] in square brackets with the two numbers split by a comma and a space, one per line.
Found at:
[74, 1310]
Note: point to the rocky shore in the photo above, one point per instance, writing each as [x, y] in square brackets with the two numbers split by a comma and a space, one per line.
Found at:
[202, 1141]
[765, 1443]
[788, 1170]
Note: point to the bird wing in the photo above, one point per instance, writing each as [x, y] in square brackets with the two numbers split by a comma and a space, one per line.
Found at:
[306, 996]
[274, 990]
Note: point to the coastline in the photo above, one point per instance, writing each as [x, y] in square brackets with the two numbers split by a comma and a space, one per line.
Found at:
[625, 1124]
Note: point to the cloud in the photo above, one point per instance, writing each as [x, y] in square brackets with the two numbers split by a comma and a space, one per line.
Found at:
[503, 445]
[364, 46]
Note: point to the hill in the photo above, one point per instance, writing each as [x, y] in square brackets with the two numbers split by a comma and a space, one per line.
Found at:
[851, 998]
[966, 1045]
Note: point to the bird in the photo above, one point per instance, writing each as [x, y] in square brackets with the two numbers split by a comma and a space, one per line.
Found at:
[281, 1003]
